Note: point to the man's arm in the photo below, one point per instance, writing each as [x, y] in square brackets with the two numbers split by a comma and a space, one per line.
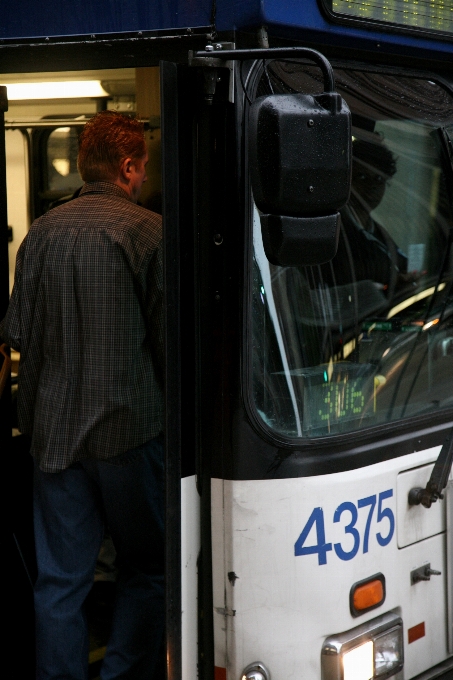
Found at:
[10, 326]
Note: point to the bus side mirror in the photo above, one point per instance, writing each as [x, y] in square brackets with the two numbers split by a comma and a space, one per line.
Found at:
[300, 169]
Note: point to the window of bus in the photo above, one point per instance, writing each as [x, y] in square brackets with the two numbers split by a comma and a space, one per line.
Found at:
[56, 177]
[62, 149]
[367, 338]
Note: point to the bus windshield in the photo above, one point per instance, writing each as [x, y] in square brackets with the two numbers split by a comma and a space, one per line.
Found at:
[367, 338]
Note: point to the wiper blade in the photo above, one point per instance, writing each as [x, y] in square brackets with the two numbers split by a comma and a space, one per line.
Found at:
[438, 479]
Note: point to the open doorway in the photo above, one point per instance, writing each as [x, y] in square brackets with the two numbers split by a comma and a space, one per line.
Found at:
[41, 153]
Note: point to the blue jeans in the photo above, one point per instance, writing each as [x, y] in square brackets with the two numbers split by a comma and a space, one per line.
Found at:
[70, 510]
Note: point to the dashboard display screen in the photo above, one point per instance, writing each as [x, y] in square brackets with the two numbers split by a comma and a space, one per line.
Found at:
[335, 394]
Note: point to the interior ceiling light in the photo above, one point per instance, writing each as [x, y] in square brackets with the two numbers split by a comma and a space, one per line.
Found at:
[72, 89]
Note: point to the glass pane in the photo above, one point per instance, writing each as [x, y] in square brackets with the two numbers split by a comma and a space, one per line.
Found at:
[62, 148]
[367, 338]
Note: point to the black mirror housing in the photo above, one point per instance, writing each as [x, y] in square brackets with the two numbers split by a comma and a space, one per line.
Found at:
[300, 153]
[300, 241]
[300, 168]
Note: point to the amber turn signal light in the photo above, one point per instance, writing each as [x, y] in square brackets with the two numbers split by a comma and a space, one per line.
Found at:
[367, 594]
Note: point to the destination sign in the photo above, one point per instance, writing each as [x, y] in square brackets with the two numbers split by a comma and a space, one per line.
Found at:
[335, 394]
[431, 15]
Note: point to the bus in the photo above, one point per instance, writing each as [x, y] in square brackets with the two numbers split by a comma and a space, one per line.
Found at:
[308, 396]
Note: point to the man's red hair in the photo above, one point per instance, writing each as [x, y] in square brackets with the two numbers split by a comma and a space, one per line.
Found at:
[106, 140]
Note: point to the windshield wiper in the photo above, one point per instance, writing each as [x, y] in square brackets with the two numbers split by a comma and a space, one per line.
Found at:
[439, 477]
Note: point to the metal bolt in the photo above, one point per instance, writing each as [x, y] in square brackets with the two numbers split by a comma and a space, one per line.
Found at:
[311, 189]
[218, 46]
[432, 572]
[218, 239]
[310, 123]
[209, 48]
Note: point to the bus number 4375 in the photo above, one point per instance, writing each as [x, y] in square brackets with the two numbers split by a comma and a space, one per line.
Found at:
[351, 512]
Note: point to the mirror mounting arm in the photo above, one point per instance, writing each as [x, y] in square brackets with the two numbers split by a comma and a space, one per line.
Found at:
[272, 53]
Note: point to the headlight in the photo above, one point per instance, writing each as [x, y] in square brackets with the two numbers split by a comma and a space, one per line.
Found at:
[358, 662]
[388, 652]
[373, 650]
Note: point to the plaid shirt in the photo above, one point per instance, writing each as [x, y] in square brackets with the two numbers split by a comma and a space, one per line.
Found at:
[86, 315]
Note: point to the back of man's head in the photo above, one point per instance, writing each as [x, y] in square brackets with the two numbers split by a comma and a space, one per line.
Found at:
[106, 140]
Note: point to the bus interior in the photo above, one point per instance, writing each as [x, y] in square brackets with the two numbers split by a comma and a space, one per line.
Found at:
[41, 129]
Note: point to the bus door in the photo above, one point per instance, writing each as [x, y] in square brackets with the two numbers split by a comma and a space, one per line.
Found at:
[182, 498]
[321, 568]
[15, 535]
[203, 259]
[5, 419]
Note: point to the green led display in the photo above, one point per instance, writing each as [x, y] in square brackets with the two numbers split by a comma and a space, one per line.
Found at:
[336, 393]
[335, 401]
[434, 15]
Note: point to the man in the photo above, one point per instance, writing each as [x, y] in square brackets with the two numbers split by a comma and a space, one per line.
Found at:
[86, 315]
